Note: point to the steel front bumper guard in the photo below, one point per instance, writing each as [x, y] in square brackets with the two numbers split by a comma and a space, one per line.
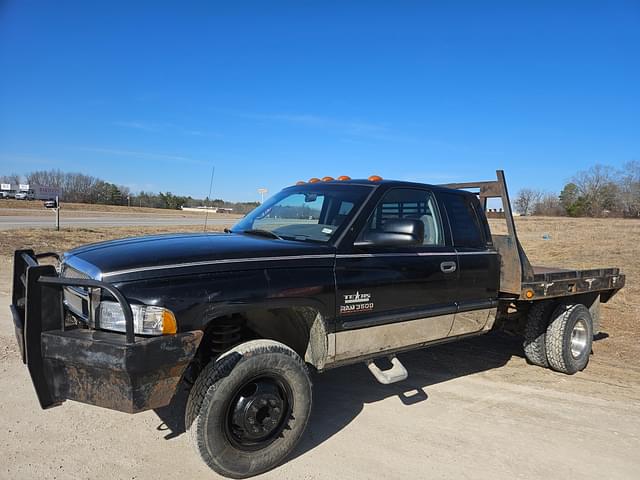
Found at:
[119, 371]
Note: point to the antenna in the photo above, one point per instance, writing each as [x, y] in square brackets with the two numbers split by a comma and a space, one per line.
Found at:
[206, 216]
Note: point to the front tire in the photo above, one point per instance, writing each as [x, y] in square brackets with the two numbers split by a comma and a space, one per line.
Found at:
[569, 338]
[248, 409]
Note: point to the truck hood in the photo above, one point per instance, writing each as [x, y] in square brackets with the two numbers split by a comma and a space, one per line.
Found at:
[187, 254]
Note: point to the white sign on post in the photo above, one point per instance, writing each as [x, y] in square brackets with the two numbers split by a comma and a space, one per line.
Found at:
[5, 186]
[24, 186]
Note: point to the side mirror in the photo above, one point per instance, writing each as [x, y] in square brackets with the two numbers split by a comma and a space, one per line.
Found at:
[395, 232]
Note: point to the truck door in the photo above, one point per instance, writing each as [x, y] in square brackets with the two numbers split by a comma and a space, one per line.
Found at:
[478, 263]
[390, 297]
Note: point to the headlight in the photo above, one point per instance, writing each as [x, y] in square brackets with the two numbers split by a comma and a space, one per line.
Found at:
[147, 320]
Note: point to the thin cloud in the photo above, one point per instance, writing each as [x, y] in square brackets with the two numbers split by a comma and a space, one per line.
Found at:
[164, 128]
[20, 158]
[147, 127]
[356, 131]
[352, 128]
[141, 155]
[320, 121]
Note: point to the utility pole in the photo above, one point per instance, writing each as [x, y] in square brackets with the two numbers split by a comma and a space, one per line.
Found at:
[57, 213]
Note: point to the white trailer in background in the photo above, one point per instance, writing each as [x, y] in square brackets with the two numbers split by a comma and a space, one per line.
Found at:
[26, 191]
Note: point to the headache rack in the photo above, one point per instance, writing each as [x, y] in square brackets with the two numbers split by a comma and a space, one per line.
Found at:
[518, 278]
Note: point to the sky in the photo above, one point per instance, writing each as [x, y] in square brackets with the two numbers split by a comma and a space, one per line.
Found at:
[153, 94]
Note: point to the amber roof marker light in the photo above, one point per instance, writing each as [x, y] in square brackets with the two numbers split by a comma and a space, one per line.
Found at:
[300, 182]
[344, 178]
[328, 179]
[314, 180]
[375, 178]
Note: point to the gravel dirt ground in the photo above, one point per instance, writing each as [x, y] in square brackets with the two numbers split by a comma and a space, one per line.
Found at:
[471, 409]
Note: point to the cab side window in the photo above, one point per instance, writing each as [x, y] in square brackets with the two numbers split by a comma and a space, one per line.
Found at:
[466, 228]
[407, 203]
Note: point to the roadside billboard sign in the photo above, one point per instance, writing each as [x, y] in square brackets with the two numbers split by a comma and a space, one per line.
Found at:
[5, 186]
[46, 192]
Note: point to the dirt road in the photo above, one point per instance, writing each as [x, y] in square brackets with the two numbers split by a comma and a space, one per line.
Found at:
[472, 409]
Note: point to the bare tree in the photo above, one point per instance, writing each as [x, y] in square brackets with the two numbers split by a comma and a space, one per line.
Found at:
[548, 205]
[630, 189]
[12, 178]
[526, 200]
[598, 190]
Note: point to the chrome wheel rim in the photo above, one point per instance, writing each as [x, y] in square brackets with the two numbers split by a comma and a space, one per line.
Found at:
[579, 339]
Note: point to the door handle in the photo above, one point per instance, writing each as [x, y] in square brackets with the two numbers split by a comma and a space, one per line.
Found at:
[448, 267]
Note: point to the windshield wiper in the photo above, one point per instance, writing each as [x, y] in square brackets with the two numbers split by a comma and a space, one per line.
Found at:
[262, 233]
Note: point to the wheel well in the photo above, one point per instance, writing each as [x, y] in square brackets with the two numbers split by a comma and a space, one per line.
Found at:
[302, 329]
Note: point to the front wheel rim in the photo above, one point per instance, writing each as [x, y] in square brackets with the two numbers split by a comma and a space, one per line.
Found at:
[258, 413]
[579, 339]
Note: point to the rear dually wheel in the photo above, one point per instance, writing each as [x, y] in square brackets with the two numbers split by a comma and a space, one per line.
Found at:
[569, 338]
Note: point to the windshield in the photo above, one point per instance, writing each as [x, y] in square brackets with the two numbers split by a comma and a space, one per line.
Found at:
[306, 213]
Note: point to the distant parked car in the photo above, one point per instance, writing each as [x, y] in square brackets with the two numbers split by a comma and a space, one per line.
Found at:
[50, 204]
[25, 196]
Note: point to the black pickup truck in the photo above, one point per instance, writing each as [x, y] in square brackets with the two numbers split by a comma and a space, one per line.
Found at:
[325, 273]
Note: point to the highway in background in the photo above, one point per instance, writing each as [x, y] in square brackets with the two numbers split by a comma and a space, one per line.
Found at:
[97, 219]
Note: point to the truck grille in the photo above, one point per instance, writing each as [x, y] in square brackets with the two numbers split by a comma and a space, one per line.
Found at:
[77, 299]
[69, 272]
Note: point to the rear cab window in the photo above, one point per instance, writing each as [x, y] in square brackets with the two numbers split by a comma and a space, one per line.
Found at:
[467, 228]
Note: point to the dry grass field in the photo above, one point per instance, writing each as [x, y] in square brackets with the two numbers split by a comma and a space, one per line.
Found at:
[67, 238]
[46, 240]
[582, 243]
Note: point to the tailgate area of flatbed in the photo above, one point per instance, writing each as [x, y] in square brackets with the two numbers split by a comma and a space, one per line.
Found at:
[548, 282]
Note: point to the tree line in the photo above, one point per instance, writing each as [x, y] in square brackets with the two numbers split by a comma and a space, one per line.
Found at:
[599, 191]
[81, 188]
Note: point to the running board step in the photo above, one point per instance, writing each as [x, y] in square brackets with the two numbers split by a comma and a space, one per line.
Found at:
[396, 373]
